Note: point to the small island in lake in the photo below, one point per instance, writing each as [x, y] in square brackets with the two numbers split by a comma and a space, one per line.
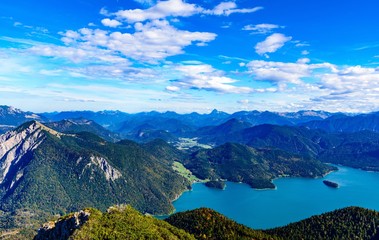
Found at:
[216, 184]
[330, 184]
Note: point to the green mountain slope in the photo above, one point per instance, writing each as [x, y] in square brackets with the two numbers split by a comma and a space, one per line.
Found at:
[46, 170]
[161, 149]
[346, 223]
[256, 167]
[83, 125]
[205, 223]
[122, 222]
[356, 149]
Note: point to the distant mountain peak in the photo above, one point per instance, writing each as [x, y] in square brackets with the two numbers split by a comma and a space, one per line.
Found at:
[10, 110]
[215, 111]
[11, 116]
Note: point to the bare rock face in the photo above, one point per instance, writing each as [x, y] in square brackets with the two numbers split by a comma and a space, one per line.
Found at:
[14, 145]
[63, 228]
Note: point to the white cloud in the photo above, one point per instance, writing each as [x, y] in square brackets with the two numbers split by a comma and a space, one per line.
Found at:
[150, 42]
[163, 9]
[322, 86]
[20, 41]
[110, 23]
[10, 66]
[301, 44]
[352, 79]
[55, 72]
[233, 58]
[178, 8]
[120, 72]
[272, 43]
[223, 8]
[304, 52]
[263, 28]
[280, 73]
[205, 77]
[244, 101]
[227, 8]
[303, 60]
[104, 11]
[243, 10]
[174, 20]
[41, 32]
[78, 54]
[172, 88]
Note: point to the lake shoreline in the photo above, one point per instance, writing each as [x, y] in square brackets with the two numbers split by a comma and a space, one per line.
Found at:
[284, 205]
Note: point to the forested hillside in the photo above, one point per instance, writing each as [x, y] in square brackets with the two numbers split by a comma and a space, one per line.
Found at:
[44, 170]
[346, 223]
[256, 167]
[123, 222]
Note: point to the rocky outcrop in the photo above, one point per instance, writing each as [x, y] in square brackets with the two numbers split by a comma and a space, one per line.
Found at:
[64, 227]
[14, 145]
[110, 172]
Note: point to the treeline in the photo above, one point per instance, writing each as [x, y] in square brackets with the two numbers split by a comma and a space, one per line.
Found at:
[346, 223]
[205, 223]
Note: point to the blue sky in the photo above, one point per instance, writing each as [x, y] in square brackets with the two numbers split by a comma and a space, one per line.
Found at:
[186, 56]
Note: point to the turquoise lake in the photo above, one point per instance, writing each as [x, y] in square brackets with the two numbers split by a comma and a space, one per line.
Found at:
[293, 200]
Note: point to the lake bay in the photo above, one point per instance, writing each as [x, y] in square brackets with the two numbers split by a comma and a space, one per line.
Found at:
[293, 200]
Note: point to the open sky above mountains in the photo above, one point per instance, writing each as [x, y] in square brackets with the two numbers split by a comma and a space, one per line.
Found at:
[190, 55]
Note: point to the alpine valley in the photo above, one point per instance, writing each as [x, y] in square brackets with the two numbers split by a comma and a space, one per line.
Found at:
[55, 163]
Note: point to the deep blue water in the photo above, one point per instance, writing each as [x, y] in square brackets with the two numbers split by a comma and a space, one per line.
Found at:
[293, 200]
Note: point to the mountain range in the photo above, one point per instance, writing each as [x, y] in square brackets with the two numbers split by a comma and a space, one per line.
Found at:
[185, 124]
[63, 162]
[44, 170]
[342, 123]
[121, 122]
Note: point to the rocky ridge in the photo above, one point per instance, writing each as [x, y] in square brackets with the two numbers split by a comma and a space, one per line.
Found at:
[64, 227]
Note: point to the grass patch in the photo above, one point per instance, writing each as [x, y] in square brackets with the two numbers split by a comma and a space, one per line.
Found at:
[183, 171]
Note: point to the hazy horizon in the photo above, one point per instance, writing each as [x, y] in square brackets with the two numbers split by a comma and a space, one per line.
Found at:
[209, 111]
